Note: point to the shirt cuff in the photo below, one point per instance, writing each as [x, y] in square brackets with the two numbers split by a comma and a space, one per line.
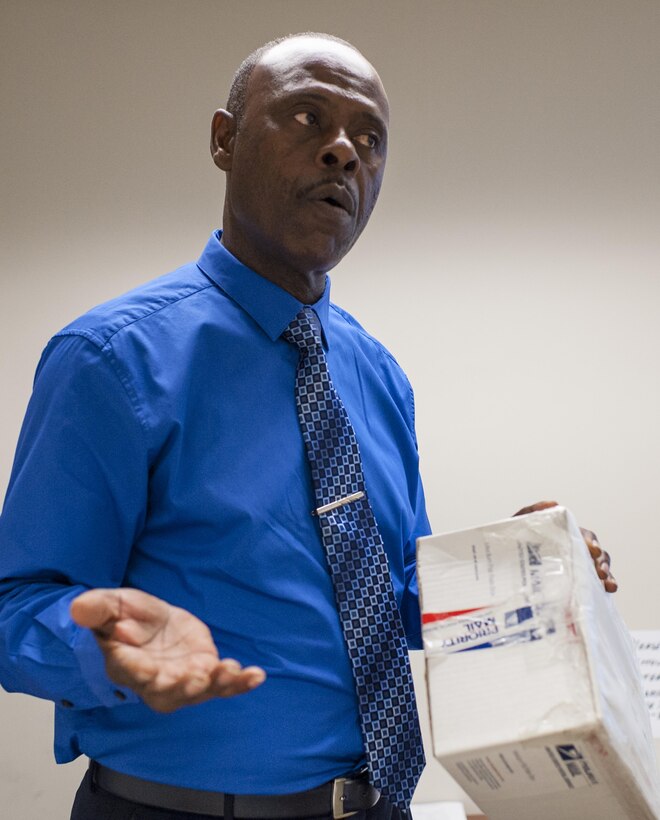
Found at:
[92, 667]
[93, 687]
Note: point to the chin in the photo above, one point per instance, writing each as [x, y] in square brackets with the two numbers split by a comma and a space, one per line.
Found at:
[324, 252]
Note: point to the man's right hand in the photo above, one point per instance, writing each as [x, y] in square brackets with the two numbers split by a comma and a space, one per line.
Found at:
[163, 653]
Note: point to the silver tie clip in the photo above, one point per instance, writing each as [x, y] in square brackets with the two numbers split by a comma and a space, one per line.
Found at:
[334, 504]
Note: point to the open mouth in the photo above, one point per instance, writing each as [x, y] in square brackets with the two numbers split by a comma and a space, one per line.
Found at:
[338, 197]
[331, 201]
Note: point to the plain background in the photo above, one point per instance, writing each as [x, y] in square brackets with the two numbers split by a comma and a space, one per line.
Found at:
[511, 264]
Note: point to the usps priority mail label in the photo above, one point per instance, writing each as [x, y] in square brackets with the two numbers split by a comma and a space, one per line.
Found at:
[486, 627]
[515, 605]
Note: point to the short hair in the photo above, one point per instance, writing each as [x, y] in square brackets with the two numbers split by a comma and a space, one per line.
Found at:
[238, 90]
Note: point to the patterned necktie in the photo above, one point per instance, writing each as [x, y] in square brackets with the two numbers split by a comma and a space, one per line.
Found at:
[360, 574]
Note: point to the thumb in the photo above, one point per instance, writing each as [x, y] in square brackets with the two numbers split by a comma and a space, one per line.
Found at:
[97, 609]
[540, 505]
[127, 615]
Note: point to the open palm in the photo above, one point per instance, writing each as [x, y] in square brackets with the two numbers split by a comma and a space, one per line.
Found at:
[163, 653]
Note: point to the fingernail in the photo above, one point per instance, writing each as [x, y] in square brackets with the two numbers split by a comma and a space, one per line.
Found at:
[257, 680]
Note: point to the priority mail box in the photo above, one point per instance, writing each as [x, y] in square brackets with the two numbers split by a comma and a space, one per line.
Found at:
[534, 690]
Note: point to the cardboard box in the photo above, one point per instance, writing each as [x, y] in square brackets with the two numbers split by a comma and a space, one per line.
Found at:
[534, 689]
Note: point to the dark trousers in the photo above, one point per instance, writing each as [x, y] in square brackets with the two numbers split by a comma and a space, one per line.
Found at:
[93, 803]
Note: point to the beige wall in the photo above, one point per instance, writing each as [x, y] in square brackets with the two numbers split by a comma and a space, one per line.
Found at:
[511, 265]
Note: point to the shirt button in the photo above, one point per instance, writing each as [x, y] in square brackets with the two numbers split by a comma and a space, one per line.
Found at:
[66, 703]
[119, 695]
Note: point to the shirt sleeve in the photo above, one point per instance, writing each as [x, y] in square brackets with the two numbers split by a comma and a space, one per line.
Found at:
[75, 504]
[410, 611]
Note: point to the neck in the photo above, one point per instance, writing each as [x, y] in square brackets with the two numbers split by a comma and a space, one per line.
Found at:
[305, 285]
[307, 290]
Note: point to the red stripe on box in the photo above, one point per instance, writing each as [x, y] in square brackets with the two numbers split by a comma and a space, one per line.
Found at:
[430, 617]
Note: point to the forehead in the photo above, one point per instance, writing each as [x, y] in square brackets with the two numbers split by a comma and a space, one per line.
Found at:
[305, 64]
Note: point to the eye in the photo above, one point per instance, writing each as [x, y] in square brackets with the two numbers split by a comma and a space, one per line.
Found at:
[368, 140]
[306, 118]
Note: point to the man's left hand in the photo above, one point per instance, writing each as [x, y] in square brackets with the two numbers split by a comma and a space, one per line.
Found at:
[600, 557]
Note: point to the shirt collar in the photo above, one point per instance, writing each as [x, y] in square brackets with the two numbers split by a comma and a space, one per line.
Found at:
[271, 307]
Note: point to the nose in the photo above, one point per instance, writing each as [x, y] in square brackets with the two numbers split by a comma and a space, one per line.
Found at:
[339, 150]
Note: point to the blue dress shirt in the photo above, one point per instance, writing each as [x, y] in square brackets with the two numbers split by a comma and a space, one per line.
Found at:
[161, 450]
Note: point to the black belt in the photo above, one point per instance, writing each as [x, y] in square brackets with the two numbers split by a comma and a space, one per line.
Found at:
[341, 797]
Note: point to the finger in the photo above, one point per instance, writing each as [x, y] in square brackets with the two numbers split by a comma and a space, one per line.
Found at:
[230, 679]
[591, 540]
[611, 584]
[540, 505]
[184, 685]
[124, 614]
[164, 685]
[594, 550]
[172, 700]
[192, 671]
[227, 679]
[605, 575]
[603, 568]
[602, 562]
[589, 535]
[96, 609]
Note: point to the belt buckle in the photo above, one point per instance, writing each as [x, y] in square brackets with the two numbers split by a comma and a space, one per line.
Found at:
[338, 798]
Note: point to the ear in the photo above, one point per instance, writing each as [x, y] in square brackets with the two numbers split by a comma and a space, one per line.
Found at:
[223, 132]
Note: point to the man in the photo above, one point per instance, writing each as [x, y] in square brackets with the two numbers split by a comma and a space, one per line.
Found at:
[164, 514]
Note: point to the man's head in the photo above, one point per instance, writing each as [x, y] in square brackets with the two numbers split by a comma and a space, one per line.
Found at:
[238, 89]
[303, 144]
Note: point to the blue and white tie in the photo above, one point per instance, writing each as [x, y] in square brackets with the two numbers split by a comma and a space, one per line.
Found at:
[357, 563]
